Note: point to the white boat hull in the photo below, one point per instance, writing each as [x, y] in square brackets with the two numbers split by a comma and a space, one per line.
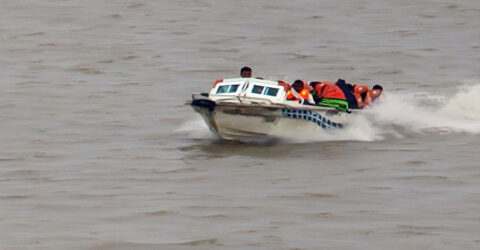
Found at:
[252, 122]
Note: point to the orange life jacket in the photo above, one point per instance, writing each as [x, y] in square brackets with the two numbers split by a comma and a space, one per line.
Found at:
[319, 88]
[303, 93]
[372, 94]
[332, 91]
[358, 90]
[290, 96]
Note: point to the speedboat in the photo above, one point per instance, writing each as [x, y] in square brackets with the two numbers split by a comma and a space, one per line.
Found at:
[251, 109]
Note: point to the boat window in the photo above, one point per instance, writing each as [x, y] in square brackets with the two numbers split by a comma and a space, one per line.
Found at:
[227, 89]
[271, 91]
[222, 89]
[233, 88]
[257, 89]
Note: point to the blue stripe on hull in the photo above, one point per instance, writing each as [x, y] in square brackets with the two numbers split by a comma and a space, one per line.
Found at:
[312, 116]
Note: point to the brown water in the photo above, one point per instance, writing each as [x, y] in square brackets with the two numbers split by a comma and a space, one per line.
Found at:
[98, 150]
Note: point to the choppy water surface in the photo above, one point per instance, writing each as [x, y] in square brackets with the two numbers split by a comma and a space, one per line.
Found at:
[98, 150]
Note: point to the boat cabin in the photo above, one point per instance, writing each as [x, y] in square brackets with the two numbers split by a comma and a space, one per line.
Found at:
[248, 89]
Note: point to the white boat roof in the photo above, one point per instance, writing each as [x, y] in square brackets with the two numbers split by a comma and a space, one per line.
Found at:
[252, 80]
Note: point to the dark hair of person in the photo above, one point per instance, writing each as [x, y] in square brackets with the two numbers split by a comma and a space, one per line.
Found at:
[313, 84]
[378, 87]
[298, 82]
[245, 69]
[297, 85]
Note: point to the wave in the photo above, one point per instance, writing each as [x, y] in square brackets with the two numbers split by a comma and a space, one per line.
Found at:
[424, 113]
[195, 129]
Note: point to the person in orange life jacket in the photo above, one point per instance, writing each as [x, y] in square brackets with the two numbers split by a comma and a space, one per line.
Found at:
[330, 91]
[372, 95]
[365, 96]
[327, 90]
[317, 90]
[298, 92]
[246, 72]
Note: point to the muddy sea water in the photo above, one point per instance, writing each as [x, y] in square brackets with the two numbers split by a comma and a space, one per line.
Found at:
[98, 150]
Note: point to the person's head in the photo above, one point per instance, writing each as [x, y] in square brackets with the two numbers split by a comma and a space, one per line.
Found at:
[313, 84]
[377, 92]
[246, 72]
[297, 85]
[378, 87]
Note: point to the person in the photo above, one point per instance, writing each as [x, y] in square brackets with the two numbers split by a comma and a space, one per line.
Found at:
[318, 87]
[332, 91]
[315, 92]
[332, 94]
[300, 92]
[345, 94]
[373, 94]
[246, 72]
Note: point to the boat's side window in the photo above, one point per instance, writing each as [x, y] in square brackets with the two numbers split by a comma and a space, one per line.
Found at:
[271, 91]
[233, 88]
[222, 89]
[257, 89]
[227, 89]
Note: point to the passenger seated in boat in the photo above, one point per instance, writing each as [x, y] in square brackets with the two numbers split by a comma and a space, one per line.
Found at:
[300, 91]
[246, 72]
[328, 94]
[343, 95]
[327, 90]
[373, 95]
[317, 89]
[364, 96]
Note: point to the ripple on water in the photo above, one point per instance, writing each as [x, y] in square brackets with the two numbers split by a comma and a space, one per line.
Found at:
[201, 244]
[86, 70]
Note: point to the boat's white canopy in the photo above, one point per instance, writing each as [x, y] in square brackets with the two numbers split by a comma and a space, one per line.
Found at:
[248, 89]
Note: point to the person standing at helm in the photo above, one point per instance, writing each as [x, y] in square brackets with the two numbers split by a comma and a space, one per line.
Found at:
[300, 92]
[246, 72]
